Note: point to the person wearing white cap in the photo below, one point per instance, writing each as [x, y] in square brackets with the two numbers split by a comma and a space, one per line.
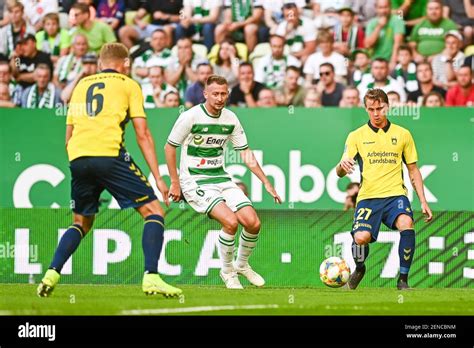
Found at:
[449, 60]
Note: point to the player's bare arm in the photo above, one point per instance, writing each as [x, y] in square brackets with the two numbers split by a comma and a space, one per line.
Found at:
[147, 147]
[346, 166]
[175, 188]
[251, 162]
[417, 183]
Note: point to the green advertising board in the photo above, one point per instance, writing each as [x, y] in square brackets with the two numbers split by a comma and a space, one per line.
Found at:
[291, 246]
[298, 148]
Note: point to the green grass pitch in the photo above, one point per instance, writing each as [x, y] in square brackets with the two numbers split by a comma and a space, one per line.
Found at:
[21, 299]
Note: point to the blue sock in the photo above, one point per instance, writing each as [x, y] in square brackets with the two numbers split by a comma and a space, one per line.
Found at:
[66, 247]
[152, 241]
[359, 253]
[406, 250]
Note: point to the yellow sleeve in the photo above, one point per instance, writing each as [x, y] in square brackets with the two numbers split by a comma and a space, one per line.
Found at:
[73, 106]
[409, 150]
[136, 101]
[350, 148]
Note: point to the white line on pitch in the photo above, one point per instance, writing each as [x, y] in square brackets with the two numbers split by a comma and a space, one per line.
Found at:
[193, 309]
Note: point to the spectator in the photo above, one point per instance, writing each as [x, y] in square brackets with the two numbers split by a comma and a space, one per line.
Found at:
[405, 70]
[195, 93]
[90, 6]
[413, 12]
[365, 9]
[25, 60]
[111, 12]
[352, 190]
[266, 99]
[52, 39]
[270, 70]
[199, 17]
[171, 100]
[5, 98]
[227, 62]
[35, 11]
[361, 74]
[385, 33]
[98, 33]
[461, 94]
[448, 61]
[241, 21]
[157, 55]
[393, 99]
[273, 13]
[165, 15]
[89, 67]
[433, 99]
[462, 13]
[348, 35]
[11, 33]
[331, 91]
[325, 13]
[181, 70]
[6, 78]
[247, 91]
[424, 75]
[326, 54]
[312, 98]
[155, 90]
[350, 98]
[469, 61]
[427, 37]
[298, 31]
[291, 93]
[382, 80]
[70, 66]
[43, 93]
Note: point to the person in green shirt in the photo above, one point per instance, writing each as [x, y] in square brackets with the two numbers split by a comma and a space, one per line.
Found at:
[98, 33]
[385, 33]
[427, 38]
[413, 11]
[53, 40]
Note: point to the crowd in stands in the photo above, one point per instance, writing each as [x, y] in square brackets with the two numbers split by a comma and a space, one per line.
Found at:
[310, 53]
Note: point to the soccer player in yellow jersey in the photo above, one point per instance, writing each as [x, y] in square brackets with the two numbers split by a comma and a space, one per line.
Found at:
[380, 147]
[100, 107]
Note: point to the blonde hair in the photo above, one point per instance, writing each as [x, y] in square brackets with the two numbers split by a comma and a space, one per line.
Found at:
[113, 52]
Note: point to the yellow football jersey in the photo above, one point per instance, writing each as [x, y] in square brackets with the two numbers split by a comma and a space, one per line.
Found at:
[100, 107]
[380, 153]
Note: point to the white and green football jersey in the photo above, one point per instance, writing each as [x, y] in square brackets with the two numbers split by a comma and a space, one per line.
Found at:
[203, 138]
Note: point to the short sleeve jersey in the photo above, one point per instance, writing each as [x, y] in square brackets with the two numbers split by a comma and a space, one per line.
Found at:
[203, 138]
[380, 153]
[100, 107]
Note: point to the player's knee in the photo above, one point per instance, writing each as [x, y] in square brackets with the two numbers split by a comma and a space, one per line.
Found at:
[362, 237]
[253, 225]
[230, 224]
[404, 222]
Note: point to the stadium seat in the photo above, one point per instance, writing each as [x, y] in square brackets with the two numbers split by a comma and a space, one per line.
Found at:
[130, 15]
[469, 51]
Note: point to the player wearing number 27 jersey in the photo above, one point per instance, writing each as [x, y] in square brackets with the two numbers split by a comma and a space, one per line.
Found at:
[381, 148]
[100, 107]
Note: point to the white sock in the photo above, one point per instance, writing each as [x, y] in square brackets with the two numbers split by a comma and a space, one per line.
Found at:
[247, 243]
[226, 248]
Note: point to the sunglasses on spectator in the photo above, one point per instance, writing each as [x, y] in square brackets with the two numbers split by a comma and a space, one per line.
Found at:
[325, 73]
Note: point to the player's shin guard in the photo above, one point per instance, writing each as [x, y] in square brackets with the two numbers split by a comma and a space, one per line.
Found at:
[359, 253]
[406, 250]
[247, 243]
[66, 247]
[226, 248]
[152, 241]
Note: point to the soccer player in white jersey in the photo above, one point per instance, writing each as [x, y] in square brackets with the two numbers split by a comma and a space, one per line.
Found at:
[203, 133]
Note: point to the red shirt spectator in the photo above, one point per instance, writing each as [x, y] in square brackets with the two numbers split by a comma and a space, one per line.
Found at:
[463, 93]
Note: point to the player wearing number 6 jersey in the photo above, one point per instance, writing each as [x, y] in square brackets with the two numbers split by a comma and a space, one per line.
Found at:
[100, 107]
[203, 132]
[380, 148]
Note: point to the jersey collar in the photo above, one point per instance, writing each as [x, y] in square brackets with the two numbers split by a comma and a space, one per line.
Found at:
[207, 113]
[110, 71]
[375, 129]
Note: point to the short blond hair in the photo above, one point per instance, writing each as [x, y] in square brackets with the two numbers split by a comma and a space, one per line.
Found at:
[113, 51]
